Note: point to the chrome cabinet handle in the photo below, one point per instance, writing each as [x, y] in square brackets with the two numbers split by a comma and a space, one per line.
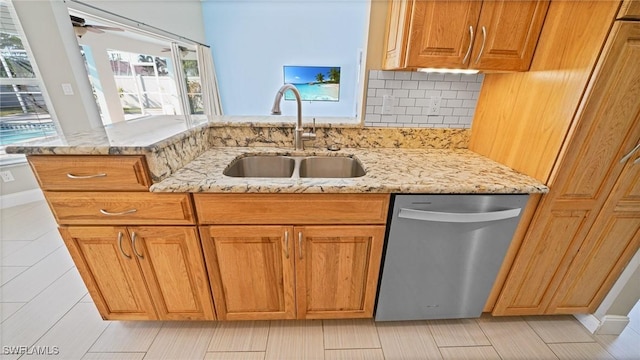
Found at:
[630, 154]
[466, 57]
[286, 244]
[71, 176]
[636, 161]
[484, 39]
[133, 245]
[438, 216]
[300, 245]
[120, 245]
[105, 212]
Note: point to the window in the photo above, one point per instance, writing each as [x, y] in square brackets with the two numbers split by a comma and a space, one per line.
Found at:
[144, 84]
[136, 74]
[194, 86]
[23, 111]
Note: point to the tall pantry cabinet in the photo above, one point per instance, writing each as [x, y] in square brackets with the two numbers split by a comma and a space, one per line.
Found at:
[587, 228]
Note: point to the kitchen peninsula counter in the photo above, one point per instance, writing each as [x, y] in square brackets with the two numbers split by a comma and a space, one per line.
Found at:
[192, 158]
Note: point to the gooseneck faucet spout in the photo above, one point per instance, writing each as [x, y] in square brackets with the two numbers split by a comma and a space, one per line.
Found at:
[299, 135]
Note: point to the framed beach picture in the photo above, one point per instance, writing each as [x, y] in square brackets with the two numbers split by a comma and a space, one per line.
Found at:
[315, 83]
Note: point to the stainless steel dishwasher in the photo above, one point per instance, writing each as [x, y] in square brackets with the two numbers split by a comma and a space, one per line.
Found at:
[443, 253]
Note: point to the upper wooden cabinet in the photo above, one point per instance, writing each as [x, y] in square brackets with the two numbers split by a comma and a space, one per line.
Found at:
[489, 35]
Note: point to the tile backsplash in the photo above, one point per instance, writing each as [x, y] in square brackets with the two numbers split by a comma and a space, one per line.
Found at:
[418, 99]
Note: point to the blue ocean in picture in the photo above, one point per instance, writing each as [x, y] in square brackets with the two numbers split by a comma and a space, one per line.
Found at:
[315, 83]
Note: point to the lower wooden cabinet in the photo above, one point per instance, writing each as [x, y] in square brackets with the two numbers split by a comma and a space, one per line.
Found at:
[587, 228]
[337, 270]
[288, 272]
[251, 271]
[607, 248]
[142, 273]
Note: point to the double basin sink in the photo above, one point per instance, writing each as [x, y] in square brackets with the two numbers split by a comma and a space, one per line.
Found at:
[283, 166]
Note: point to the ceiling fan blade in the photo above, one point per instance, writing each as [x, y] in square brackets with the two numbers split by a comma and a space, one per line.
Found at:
[108, 28]
[76, 20]
[93, 29]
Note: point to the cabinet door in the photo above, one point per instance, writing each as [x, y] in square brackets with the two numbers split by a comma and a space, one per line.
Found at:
[507, 34]
[630, 10]
[553, 256]
[442, 33]
[104, 257]
[337, 270]
[172, 264]
[398, 20]
[609, 246]
[251, 271]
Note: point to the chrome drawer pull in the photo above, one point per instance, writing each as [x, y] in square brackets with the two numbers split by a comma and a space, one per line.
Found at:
[105, 212]
[286, 244]
[120, 245]
[71, 176]
[630, 154]
[133, 245]
[300, 245]
[484, 40]
[464, 61]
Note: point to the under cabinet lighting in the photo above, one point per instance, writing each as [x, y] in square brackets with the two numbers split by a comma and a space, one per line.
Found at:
[449, 71]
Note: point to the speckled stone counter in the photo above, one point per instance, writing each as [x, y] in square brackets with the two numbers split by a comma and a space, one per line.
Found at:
[169, 144]
[192, 158]
[387, 170]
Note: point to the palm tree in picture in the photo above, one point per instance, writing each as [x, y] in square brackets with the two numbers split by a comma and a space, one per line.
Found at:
[334, 75]
[320, 77]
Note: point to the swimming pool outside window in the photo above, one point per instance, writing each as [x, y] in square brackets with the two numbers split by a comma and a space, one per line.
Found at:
[24, 115]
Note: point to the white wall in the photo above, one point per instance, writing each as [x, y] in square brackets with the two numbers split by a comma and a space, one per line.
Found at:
[624, 294]
[24, 179]
[252, 40]
[181, 17]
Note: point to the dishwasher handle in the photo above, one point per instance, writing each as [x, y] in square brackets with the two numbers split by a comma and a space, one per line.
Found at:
[449, 217]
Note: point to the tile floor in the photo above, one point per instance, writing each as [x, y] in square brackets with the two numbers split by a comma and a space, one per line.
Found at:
[44, 303]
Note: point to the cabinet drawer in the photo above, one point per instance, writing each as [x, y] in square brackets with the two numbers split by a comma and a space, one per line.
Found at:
[88, 173]
[284, 209]
[120, 208]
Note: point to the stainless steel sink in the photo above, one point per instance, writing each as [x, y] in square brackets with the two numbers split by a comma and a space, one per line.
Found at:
[261, 166]
[330, 167]
[281, 166]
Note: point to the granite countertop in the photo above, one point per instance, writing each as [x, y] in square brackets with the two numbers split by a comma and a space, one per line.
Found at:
[387, 170]
[192, 158]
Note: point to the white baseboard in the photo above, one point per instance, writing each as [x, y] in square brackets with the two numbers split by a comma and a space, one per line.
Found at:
[608, 325]
[589, 321]
[612, 325]
[20, 198]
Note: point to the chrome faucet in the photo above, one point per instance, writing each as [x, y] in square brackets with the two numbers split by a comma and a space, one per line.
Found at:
[299, 134]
